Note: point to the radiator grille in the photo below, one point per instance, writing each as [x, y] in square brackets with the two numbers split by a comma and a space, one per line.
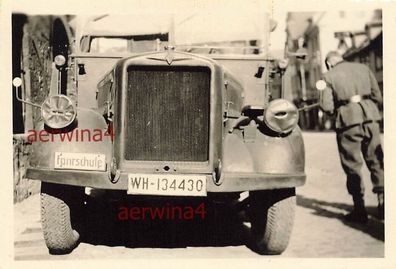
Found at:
[167, 113]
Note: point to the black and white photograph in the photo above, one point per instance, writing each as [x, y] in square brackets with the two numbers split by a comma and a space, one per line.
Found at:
[199, 130]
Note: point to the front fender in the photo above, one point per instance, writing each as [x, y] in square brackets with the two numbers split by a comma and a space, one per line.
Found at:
[265, 155]
[76, 141]
[278, 159]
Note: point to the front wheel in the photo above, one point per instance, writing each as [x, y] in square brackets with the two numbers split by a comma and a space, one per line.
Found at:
[58, 205]
[272, 217]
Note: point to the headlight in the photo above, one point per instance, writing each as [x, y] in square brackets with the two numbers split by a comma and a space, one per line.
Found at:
[58, 111]
[281, 116]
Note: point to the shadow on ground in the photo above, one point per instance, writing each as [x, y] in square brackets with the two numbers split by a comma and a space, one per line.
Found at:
[374, 227]
[101, 226]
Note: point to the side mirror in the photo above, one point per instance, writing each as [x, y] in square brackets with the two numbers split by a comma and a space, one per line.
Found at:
[283, 63]
[59, 60]
[320, 85]
[17, 82]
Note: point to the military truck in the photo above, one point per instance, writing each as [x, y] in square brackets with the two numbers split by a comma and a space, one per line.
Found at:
[169, 105]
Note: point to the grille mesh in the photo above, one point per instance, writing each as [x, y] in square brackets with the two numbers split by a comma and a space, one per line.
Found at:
[167, 113]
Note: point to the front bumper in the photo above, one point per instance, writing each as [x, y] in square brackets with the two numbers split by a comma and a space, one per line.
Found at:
[231, 182]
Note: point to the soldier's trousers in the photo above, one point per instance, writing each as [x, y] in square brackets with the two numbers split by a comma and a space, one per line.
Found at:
[355, 141]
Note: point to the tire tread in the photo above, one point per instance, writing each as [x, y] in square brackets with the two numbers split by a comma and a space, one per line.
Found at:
[273, 220]
[59, 235]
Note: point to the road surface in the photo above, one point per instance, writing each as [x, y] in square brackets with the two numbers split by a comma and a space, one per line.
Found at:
[319, 229]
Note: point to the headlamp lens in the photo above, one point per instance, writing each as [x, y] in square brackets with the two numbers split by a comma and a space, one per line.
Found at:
[281, 116]
[58, 111]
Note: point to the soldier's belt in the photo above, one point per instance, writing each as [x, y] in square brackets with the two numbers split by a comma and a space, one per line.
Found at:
[354, 99]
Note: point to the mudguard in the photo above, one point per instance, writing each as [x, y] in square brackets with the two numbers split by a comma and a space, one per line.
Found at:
[266, 154]
[78, 140]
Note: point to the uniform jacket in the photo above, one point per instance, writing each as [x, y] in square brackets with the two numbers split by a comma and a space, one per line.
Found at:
[345, 80]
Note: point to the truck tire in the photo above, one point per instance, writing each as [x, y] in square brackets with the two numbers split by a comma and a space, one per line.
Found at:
[57, 205]
[272, 217]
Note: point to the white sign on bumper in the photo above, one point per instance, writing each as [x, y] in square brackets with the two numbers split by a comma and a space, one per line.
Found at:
[80, 161]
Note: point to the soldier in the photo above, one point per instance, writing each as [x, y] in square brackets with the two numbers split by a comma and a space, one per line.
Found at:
[353, 94]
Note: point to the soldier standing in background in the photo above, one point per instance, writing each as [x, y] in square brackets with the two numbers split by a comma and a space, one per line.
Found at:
[353, 94]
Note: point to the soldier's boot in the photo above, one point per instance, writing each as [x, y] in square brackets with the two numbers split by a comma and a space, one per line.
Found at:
[358, 214]
[381, 205]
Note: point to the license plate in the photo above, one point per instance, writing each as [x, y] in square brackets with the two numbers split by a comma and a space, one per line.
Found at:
[160, 184]
[80, 161]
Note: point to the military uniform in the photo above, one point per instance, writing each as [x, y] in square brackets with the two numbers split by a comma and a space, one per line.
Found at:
[353, 94]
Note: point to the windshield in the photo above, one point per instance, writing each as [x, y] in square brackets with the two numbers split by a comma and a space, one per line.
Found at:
[241, 31]
[216, 30]
[124, 44]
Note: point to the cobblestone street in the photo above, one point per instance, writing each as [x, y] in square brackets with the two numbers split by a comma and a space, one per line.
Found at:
[319, 229]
